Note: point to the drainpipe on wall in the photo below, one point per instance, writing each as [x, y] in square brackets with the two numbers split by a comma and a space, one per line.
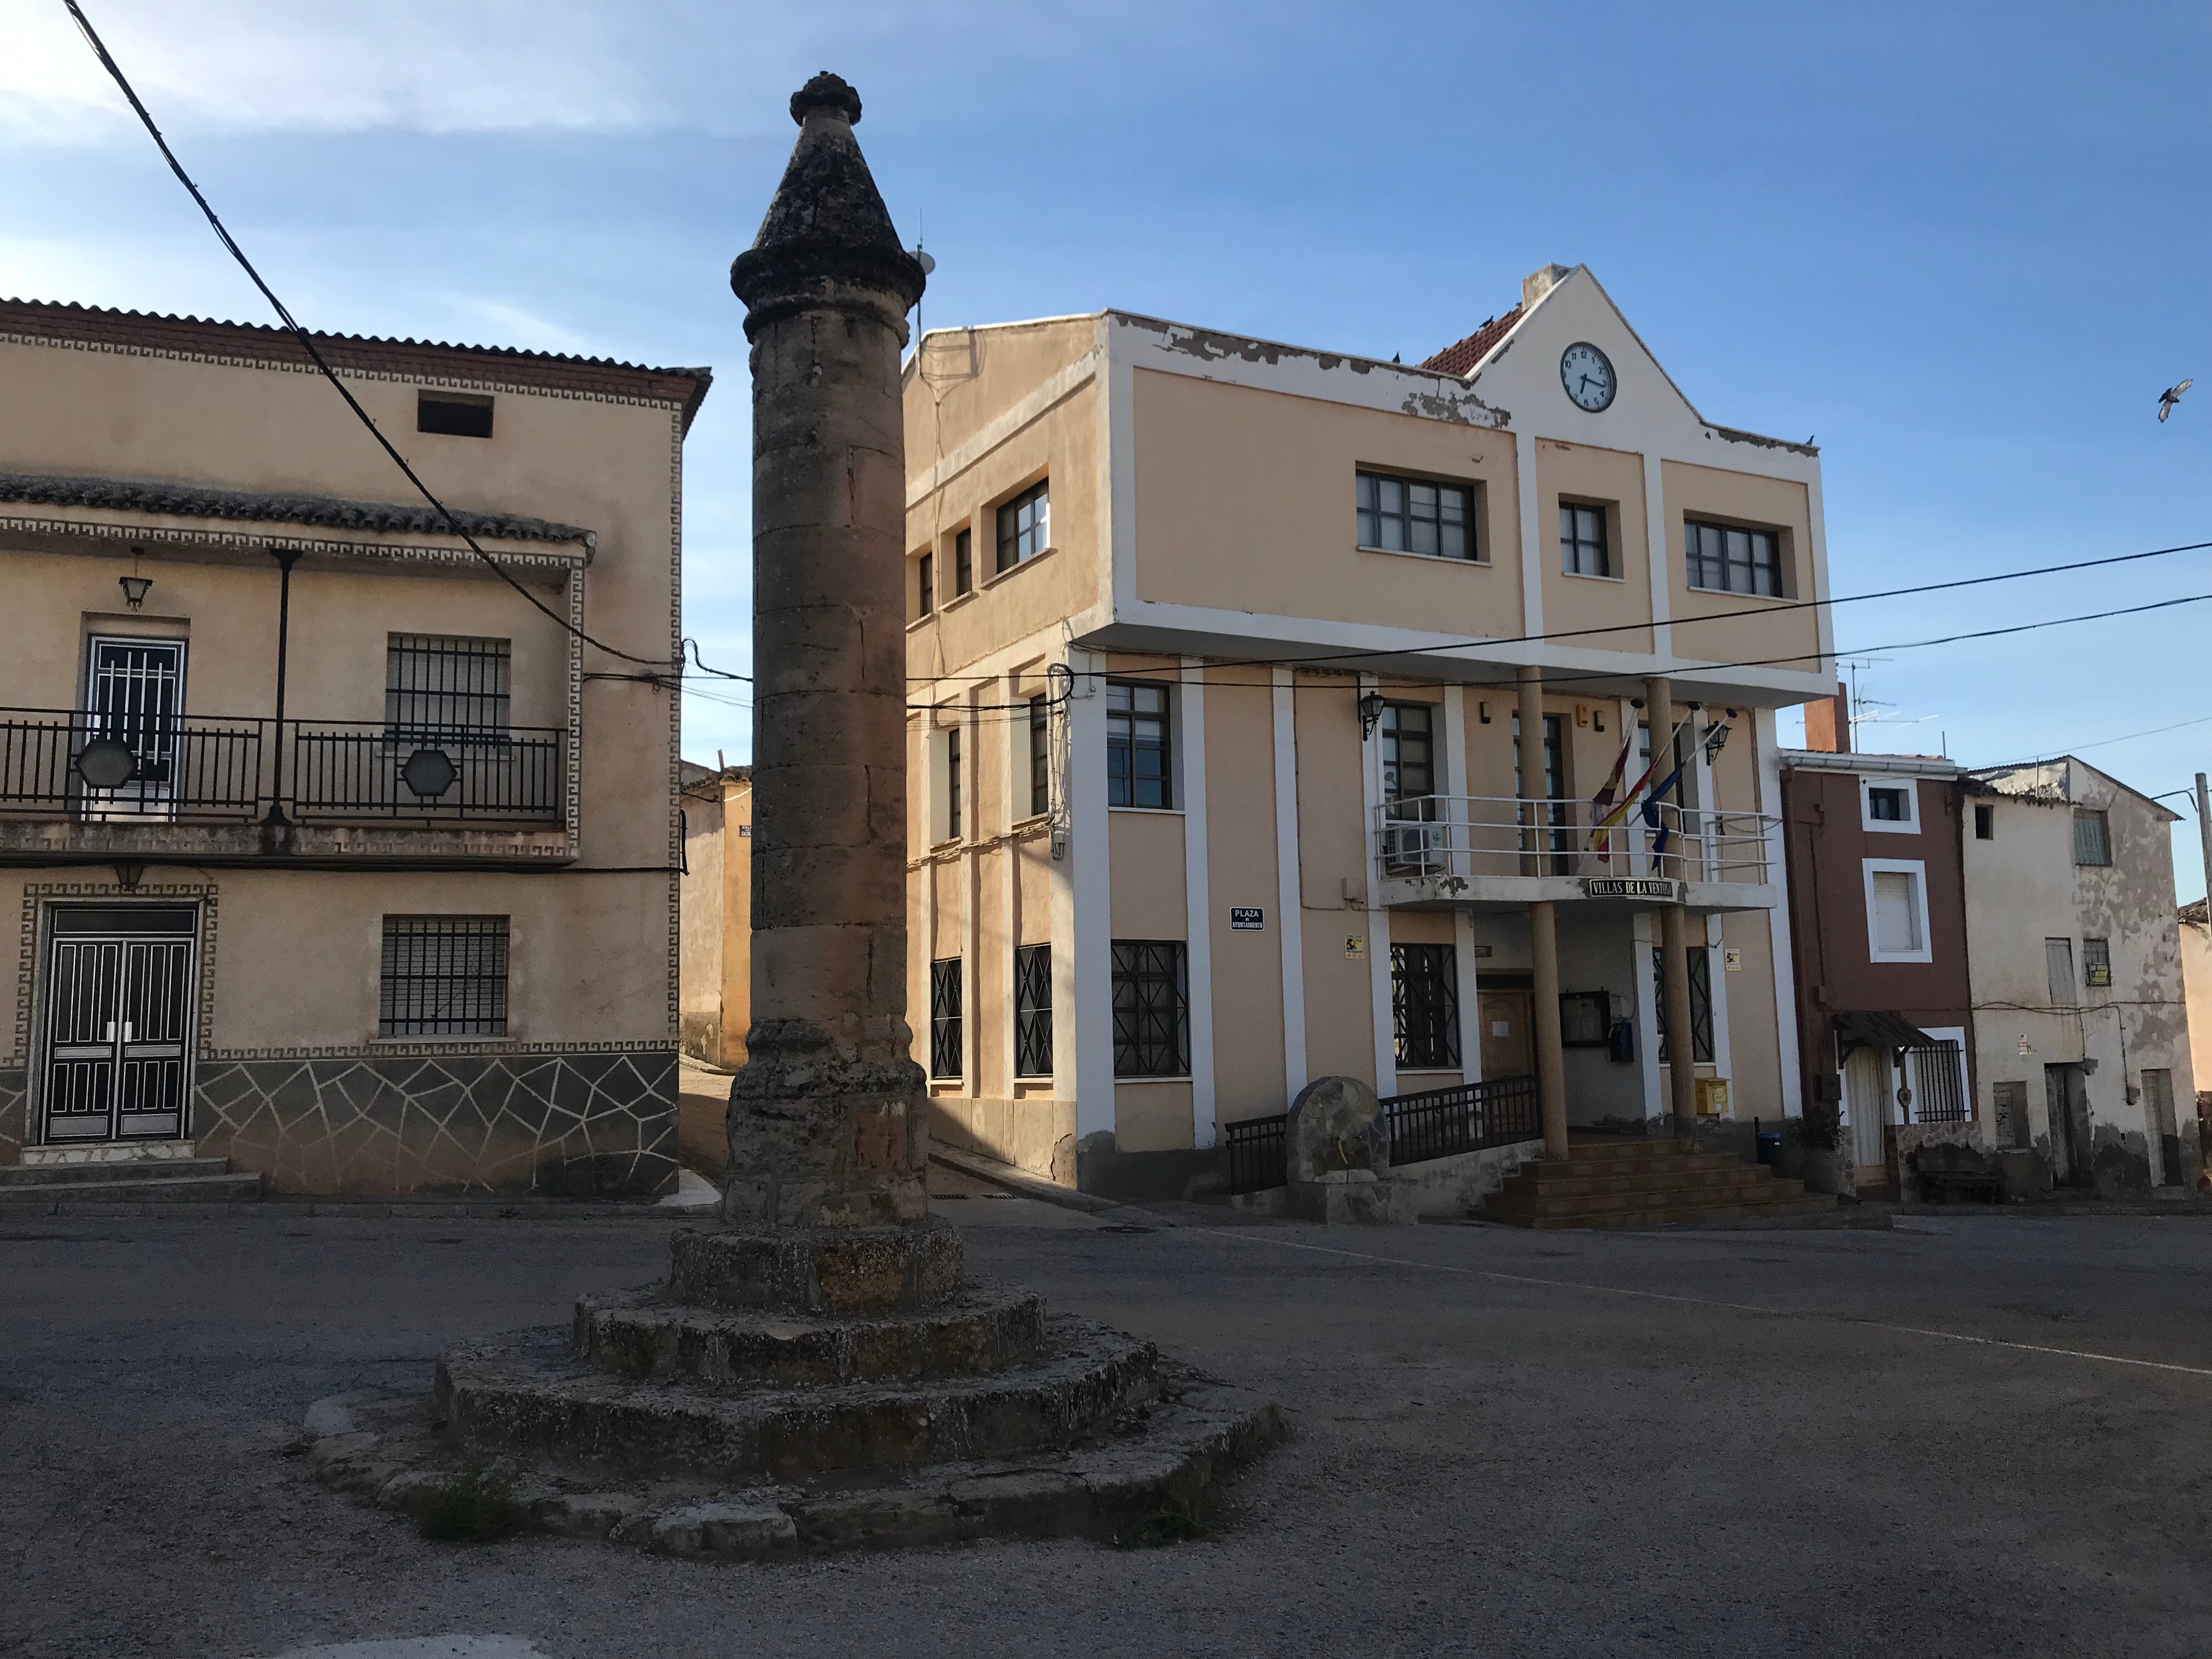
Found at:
[277, 828]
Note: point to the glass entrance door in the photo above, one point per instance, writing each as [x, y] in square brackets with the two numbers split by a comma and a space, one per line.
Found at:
[118, 998]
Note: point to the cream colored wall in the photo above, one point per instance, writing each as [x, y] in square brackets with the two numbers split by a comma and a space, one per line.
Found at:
[737, 914]
[1149, 899]
[1595, 477]
[1743, 498]
[342, 618]
[1059, 447]
[1755, 1044]
[593, 957]
[2195, 942]
[1245, 501]
[1151, 1117]
[1333, 852]
[1241, 871]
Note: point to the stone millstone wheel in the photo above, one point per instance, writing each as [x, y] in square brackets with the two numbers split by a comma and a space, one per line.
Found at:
[786, 1393]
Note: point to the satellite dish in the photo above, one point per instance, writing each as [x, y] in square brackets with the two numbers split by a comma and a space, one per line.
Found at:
[927, 263]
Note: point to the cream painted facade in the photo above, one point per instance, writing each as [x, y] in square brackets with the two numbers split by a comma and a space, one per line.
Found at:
[717, 894]
[1202, 540]
[422, 931]
[2107, 1050]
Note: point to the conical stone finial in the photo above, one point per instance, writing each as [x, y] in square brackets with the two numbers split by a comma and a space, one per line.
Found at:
[827, 232]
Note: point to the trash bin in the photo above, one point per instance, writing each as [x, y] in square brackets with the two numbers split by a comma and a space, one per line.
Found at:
[1765, 1144]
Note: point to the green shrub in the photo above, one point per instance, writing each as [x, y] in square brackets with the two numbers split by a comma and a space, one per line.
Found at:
[474, 1504]
[1820, 1128]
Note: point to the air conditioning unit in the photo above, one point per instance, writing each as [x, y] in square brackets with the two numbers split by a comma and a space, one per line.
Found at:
[1414, 849]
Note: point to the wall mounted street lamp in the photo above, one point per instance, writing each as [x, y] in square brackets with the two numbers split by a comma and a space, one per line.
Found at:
[134, 586]
[1371, 714]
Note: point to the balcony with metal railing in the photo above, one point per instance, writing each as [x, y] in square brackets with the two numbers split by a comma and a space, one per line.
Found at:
[1481, 850]
[90, 784]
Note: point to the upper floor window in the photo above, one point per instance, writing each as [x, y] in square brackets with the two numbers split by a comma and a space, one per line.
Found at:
[1897, 910]
[952, 783]
[2093, 837]
[1985, 823]
[1889, 806]
[443, 977]
[2096, 963]
[963, 563]
[1582, 549]
[1413, 515]
[439, 686]
[455, 414]
[1040, 754]
[927, 566]
[1025, 526]
[1408, 751]
[1137, 746]
[1730, 559]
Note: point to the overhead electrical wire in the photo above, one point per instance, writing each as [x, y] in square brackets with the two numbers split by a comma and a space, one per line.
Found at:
[307, 343]
[1774, 609]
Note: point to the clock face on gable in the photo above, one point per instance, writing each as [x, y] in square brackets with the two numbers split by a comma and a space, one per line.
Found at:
[1587, 373]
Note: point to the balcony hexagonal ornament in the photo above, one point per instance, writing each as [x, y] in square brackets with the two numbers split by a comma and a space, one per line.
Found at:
[107, 763]
[429, 773]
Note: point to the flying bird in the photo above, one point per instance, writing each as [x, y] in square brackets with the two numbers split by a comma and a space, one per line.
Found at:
[2171, 396]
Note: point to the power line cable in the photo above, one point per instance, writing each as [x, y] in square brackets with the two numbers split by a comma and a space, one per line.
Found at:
[1769, 609]
[308, 342]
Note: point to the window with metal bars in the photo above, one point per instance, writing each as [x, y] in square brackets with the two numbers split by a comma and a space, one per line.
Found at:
[2096, 963]
[1151, 1009]
[1033, 1010]
[945, 1056]
[1701, 1003]
[1939, 1082]
[1025, 526]
[1583, 550]
[443, 977]
[1040, 754]
[1137, 746]
[1425, 1006]
[440, 686]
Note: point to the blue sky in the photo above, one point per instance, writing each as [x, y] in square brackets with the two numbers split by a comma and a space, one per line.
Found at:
[1964, 250]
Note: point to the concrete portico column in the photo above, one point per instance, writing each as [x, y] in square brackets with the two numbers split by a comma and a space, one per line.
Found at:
[1543, 929]
[1673, 934]
[826, 1125]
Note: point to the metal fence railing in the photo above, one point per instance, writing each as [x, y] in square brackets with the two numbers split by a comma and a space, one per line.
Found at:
[1462, 837]
[1258, 1153]
[179, 768]
[1434, 1123]
[58, 762]
[1466, 1118]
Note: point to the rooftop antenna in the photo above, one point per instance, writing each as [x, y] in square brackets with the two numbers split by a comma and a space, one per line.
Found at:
[928, 265]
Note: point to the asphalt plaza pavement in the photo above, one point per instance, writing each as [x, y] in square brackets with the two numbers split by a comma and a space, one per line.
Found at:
[1967, 1436]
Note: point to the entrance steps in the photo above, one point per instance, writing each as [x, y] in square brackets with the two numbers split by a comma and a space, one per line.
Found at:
[1642, 1182]
[137, 1180]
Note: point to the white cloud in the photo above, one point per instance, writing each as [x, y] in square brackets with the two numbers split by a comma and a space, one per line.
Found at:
[256, 65]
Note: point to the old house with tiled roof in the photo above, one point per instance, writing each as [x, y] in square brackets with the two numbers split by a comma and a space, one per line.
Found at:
[342, 860]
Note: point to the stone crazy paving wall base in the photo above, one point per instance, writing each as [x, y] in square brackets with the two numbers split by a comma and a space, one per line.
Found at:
[574, 1124]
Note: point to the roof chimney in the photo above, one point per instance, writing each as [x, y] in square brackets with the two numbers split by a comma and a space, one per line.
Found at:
[1541, 281]
[1828, 723]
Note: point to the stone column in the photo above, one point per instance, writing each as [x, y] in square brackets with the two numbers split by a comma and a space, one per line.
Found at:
[1674, 933]
[1543, 927]
[825, 1124]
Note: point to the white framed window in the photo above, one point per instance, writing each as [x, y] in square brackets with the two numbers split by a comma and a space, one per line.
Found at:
[1890, 806]
[1897, 910]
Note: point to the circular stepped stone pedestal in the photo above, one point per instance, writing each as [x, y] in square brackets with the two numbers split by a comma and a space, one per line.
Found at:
[648, 1334]
[806, 1390]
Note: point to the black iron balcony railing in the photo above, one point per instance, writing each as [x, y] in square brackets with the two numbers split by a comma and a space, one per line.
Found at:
[92, 768]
